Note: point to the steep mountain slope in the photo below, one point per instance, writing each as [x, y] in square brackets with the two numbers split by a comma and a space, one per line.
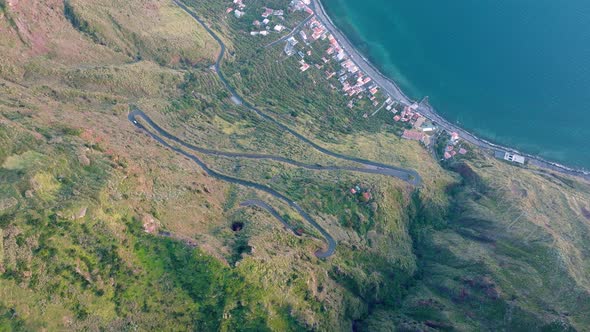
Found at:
[101, 227]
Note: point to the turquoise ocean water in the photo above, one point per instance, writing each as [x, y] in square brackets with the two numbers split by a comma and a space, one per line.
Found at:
[516, 72]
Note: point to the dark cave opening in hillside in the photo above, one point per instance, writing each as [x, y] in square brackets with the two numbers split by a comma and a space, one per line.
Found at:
[237, 226]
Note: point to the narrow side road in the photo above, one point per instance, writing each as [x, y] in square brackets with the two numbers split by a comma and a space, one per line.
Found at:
[295, 29]
[269, 209]
[367, 169]
[330, 250]
[411, 175]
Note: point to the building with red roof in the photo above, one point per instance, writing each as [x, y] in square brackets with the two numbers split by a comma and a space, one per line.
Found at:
[267, 12]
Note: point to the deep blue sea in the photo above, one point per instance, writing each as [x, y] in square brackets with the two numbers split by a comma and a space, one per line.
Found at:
[516, 72]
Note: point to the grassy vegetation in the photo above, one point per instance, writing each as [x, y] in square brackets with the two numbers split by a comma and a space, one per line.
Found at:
[427, 214]
[474, 271]
[481, 245]
[323, 192]
[79, 23]
[205, 117]
[284, 75]
[269, 79]
[9, 320]
[160, 31]
[97, 275]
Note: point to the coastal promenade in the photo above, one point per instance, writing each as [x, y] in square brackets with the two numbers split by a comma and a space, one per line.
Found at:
[391, 88]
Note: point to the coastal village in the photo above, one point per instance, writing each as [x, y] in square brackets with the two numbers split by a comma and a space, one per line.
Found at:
[344, 75]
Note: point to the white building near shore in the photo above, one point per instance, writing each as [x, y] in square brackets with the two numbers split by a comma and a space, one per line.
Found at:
[510, 157]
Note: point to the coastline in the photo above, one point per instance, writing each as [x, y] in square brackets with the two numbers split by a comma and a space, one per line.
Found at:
[425, 108]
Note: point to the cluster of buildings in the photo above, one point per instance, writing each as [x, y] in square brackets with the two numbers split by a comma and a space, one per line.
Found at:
[422, 128]
[364, 194]
[409, 114]
[272, 12]
[353, 81]
[239, 10]
[453, 147]
[265, 22]
[301, 5]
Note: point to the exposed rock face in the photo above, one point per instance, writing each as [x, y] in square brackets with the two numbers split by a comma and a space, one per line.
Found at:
[2, 269]
[150, 224]
[56, 140]
[81, 214]
[83, 159]
[34, 185]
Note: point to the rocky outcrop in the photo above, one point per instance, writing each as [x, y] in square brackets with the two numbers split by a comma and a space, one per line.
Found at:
[151, 225]
[83, 159]
[81, 213]
[8, 203]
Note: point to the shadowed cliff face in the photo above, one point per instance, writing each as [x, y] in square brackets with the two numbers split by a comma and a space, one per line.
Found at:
[481, 268]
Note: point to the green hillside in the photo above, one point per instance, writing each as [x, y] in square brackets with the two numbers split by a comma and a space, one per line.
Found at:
[104, 228]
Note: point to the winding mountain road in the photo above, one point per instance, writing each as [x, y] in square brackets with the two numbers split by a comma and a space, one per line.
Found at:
[407, 174]
[368, 169]
[160, 134]
[264, 205]
[368, 166]
[133, 116]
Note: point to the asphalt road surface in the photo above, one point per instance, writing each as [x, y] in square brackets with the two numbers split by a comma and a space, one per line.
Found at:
[136, 114]
[368, 166]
